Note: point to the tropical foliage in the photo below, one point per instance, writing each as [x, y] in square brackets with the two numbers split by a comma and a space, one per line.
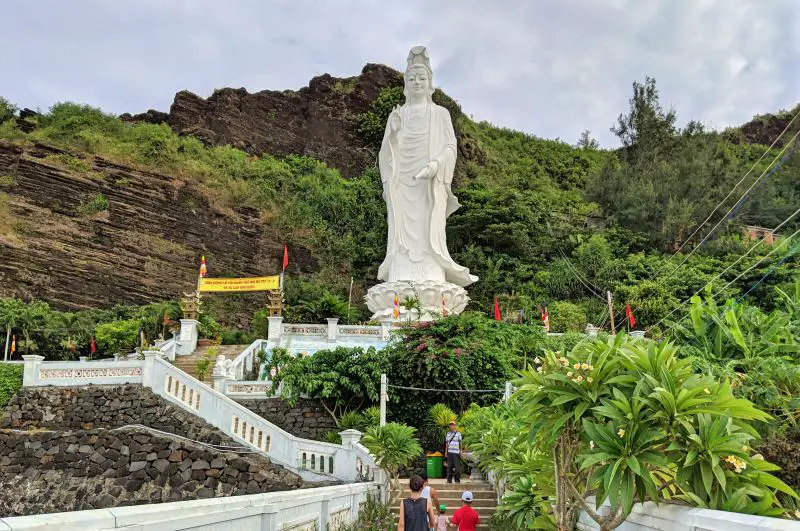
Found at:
[628, 421]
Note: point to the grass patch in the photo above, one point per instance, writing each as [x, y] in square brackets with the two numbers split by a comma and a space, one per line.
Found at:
[97, 203]
[68, 162]
[7, 181]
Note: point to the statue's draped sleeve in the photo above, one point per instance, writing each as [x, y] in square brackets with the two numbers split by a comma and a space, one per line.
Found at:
[387, 157]
[443, 148]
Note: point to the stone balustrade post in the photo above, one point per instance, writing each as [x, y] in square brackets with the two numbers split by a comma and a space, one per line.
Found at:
[325, 512]
[274, 328]
[386, 329]
[333, 329]
[188, 336]
[219, 374]
[350, 437]
[30, 371]
[148, 376]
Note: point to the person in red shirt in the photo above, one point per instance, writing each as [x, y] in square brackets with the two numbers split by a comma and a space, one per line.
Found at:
[466, 518]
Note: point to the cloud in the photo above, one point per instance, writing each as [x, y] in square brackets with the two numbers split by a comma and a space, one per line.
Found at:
[551, 68]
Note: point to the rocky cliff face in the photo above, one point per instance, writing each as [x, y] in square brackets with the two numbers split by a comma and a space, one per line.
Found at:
[319, 120]
[116, 234]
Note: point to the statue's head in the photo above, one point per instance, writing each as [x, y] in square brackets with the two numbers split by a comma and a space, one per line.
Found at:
[419, 75]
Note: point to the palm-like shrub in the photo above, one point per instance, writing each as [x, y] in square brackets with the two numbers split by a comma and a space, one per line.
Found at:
[393, 446]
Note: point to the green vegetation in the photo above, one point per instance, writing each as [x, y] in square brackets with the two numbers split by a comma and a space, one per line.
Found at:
[10, 382]
[627, 420]
[542, 222]
[97, 203]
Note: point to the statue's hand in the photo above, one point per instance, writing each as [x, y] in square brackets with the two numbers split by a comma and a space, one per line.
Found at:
[429, 171]
[395, 121]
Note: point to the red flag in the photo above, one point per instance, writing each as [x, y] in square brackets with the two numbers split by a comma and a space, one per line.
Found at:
[629, 316]
[496, 310]
[546, 319]
[92, 346]
[203, 270]
[396, 311]
[13, 343]
[444, 307]
[285, 257]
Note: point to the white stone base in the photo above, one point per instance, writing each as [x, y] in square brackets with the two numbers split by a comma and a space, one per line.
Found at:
[380, 299]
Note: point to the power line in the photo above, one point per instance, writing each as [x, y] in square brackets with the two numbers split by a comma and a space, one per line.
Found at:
[744, 196]
[791, 251]
[738, 183]
[448, 390]
[756, 245]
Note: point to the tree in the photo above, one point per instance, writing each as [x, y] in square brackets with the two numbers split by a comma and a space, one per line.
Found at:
[342, 379]
[647, 126]
[628, 421]
[393, 445]
[588, 142]
[11, 313]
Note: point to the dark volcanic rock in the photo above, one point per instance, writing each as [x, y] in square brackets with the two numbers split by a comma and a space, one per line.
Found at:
[319, 120]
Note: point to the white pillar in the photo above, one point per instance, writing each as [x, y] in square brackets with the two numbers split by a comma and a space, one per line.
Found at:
[148, 376]
[219, 374]
[275, 327]
[350, 437]
[188, 336]
[386, 329]
[384, 397]
[333, 329]
[509, 390]
[30, 371]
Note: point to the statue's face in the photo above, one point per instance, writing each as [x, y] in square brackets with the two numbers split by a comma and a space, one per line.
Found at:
[418, 82]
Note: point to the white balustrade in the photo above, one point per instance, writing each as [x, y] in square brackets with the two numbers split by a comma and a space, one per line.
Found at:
[76, 373]
[317, 508]
[245, 361]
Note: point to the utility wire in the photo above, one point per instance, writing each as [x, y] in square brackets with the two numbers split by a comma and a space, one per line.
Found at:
[447, 390]
[744, 196]
[777, 247]
[738, 183]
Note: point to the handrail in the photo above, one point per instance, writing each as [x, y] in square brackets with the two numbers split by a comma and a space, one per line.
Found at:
[303, 455]
[244, 361]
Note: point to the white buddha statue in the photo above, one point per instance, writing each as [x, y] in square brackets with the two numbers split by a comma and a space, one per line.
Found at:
[417, 160]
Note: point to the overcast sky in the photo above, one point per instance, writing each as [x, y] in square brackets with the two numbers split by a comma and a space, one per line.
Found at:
[548, 67]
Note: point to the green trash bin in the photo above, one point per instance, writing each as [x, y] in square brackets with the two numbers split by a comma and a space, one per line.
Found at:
[433, 465]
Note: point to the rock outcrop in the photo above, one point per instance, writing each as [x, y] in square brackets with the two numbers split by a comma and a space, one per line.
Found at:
[319, 120]
[113, 234]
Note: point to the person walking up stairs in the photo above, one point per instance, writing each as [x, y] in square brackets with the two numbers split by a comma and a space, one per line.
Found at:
[484, 499]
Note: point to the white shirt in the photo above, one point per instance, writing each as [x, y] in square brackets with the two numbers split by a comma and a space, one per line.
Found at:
[453, 440]
[426, 492]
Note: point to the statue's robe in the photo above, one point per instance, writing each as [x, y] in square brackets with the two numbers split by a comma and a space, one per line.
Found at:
[417, 210]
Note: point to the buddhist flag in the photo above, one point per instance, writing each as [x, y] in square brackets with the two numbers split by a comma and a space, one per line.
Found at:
[13, 344]
[285, 257]
[203, 270]
[496, 310]
[444, 307]
[629, 316]
[92, 346]
[546, 319]
[396, 311]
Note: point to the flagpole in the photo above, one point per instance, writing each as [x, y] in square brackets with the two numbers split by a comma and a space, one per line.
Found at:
[611, 312]
[350, 295]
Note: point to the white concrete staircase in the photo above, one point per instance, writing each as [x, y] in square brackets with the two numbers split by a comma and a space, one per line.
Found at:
[188, 363]
[484, 500]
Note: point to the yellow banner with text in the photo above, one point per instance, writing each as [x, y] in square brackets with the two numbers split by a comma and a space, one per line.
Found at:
[239, 284]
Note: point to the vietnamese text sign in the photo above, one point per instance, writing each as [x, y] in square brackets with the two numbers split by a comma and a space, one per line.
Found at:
[239, 284]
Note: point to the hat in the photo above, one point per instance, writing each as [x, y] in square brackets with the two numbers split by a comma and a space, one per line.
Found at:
[442, 507]
[467, 496]
[452, 423]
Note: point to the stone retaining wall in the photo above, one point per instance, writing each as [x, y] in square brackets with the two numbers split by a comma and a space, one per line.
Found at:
[43, 471]
[307, 419]
[104, 406]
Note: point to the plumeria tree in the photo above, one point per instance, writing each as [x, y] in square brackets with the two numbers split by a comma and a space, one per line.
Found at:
[627, 421]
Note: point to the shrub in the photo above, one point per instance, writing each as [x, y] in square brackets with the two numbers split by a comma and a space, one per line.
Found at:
[628, 420]
[97, 203]
[10, 382]
[567, 317]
